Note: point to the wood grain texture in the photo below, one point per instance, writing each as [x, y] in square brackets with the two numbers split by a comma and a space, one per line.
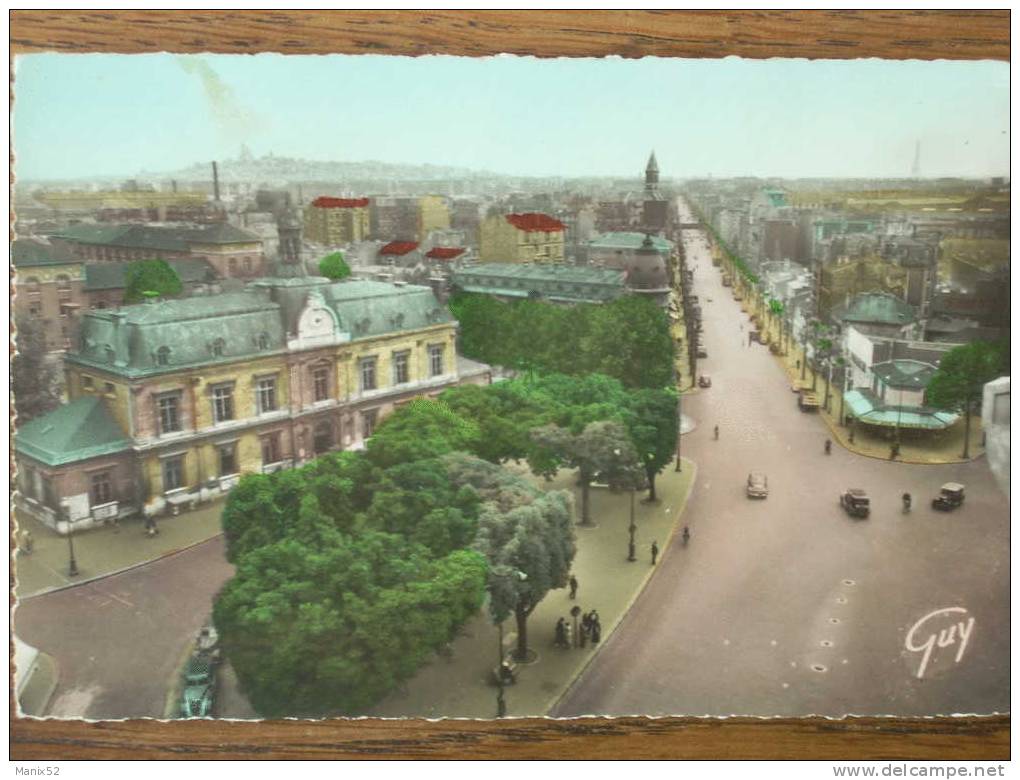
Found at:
[839, 34]
[985, 739]
[813, 34]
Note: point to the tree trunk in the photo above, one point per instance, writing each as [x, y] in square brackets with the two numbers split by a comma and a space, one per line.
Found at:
[585, 489]
[651, 485]
[521, 615]
[966, 428]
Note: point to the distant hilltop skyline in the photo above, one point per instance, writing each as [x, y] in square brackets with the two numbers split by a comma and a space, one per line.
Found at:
[79, 116]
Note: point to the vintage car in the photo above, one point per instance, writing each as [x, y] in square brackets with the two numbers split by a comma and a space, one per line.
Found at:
[704, 381]
[855, 502]
[726, 281]
[702, 352]
[808, 401]
[949, 497]
[757, 485]
[199, 687]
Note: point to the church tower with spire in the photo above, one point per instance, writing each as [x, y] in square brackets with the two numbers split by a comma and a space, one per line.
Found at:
[655, 213]
[652, 176]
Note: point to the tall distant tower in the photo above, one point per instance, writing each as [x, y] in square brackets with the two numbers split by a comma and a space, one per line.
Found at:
[652, 175]
[915, 169]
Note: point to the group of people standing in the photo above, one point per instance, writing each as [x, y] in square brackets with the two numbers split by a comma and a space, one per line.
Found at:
[590, 630]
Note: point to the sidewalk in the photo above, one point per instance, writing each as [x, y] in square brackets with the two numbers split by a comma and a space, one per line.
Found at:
[459, 685]
[934, 448]
[103, 551]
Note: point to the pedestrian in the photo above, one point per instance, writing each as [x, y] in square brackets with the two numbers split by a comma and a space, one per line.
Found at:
[27, 543]
[717, 432]
[573, 587]
[655, 552]
[894, 450]
[585, 629]
[150, 526]
[596, 629]
[561, 633]
[828, 446]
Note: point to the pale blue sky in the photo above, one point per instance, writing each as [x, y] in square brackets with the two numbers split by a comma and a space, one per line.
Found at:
[94, 115]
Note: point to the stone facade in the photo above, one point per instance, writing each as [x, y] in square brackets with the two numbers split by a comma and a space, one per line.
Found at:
[337, 221]
[521, 238]
[207, 388]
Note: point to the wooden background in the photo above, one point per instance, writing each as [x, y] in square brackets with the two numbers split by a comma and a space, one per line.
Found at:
[815, 34]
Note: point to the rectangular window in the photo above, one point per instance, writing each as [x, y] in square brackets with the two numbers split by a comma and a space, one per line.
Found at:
[368, 422]
[320, 383]
[109, 389]
[265, 395]
[86, 382]
[228, 459]
[35, 308]
[1000, 409]
[435, 359]
[173, 473]
[270, 448]
[401, 367]
[367, 374]
[169, 413]
[223, 403]
[101, 489]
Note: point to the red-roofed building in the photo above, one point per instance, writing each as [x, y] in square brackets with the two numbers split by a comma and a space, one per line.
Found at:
[445, 253]
[398, 248]
[402, 253]
[336, 221]
[522, 238]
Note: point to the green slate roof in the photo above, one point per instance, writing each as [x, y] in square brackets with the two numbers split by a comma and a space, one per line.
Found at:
[628, 240]
[868, 408]
[110, 276]
[81, 429]
[155, 237]
[905, 374]
[881, 308]
[553, 281]
[256, 321]
[33, 254]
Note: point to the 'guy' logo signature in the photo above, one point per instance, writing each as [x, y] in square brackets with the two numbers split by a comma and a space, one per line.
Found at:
[945, 637]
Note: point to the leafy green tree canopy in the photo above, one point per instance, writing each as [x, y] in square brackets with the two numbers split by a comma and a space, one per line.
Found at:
[333, 266]
[143, 278]
[35, 380]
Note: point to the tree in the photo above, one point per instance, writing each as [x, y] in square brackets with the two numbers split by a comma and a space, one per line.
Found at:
[424, 428]
[602, 449]
[35, 381]
[652, 426]
[150, 278]
[331, 627]
[527, 537]
[333, 266]
[961, 376]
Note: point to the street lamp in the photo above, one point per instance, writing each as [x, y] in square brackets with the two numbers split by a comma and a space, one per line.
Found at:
[72, 565]
[500, 682]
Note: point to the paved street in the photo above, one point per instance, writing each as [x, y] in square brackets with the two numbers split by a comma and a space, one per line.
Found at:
[787, 606]
[119, 641]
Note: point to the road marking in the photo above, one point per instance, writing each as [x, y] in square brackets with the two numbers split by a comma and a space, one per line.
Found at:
[125, 602]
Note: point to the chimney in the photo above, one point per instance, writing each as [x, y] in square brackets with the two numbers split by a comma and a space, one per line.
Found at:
[216, 182]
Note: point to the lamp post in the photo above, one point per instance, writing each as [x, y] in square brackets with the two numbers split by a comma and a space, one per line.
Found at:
[72, 565]
[500, 682]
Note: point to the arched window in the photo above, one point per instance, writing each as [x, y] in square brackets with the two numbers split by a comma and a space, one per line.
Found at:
[32, 285]
[163, 356]
[232, 266]
[63, 288]
[217, 347]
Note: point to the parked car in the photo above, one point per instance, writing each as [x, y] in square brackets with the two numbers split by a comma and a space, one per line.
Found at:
[199, 687]
[808, 401]
[704, 381]
[949, 497]
[757, 485]
[702, 352]
[855, 502]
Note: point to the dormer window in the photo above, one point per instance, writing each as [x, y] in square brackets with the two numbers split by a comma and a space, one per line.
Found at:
[163, 356]
[109, 354]
[263, 341]
[217, 347]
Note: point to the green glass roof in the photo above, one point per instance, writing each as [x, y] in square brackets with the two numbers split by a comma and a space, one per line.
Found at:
[628, 240]
[869, 409]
